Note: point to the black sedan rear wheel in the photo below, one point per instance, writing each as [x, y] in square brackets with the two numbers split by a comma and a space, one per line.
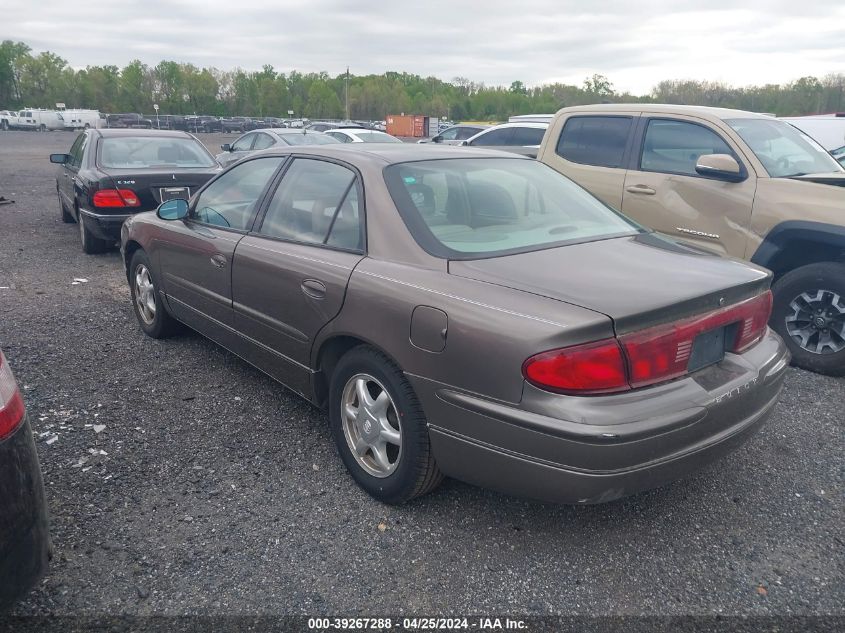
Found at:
[91, 244]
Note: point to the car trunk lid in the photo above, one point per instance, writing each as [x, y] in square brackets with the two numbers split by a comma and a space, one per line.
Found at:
[638, 281]
[154, 186]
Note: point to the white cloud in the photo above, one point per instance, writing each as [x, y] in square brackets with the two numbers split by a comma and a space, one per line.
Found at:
[497, 41]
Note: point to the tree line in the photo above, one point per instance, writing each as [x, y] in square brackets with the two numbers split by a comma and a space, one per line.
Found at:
[30, 79]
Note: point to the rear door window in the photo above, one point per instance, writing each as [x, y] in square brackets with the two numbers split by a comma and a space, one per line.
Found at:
[595, 140]
[673, 147]
[502, 136]
[465, 132]
[263, 141]
[527, 136]
[316, 203]
[244, 143]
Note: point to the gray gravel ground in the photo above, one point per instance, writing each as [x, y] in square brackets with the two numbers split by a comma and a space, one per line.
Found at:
[213, 490]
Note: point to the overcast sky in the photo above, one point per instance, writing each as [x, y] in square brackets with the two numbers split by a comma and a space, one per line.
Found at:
[635, 43]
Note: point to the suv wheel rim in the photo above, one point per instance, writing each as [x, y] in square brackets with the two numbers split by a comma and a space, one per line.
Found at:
[817, 321]
[145, 294]
[371, 425]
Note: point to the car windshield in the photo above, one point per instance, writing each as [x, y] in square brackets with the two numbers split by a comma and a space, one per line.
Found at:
[308, 139]
[473, 207]
[376, 137]
[784, 150]
[129, 152]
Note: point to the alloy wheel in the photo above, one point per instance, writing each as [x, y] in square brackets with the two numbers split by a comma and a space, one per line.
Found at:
[371, 425]
[145, 294]
[817, 321]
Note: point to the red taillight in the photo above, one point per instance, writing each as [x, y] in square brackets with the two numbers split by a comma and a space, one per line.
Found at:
[592, 368]
[647, 357]
[11, 402]
[755, 315]
[116, 198]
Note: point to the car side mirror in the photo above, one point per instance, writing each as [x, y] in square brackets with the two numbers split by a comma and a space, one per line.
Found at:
[60, 159]
[226, 147]
[437, 139]
[176, 209]
[719, 166]
[463, 143]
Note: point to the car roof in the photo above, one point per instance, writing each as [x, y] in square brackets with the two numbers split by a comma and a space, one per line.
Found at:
[534, 124]
[391, 153]
[109, 132]
[359, 129]
[287, 131]
[669, 108]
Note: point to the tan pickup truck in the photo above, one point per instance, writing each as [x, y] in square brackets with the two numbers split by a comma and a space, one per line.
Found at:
[742, 184]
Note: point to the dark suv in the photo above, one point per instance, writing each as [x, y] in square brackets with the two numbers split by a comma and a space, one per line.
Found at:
[203, 123]
[129, 120]
[239, 124]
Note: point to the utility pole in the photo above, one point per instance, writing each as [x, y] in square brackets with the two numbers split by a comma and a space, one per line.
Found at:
[347, 93]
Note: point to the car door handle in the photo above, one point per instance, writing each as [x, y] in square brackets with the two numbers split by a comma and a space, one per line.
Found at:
[218, 260]
[314, 288]
[643, 189]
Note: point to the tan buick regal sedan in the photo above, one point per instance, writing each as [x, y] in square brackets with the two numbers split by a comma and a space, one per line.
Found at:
[737, 183]
[468, 313]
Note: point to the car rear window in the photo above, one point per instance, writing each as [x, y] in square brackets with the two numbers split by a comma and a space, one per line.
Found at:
[528, 136]
[594, 140]
[129, 152]
[377, 137]
[474, 207]
[308, 139]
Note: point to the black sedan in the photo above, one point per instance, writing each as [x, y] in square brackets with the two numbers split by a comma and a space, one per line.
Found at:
[24, 537]
[109, 175]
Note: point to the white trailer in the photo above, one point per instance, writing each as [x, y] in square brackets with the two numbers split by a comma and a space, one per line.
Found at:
[81, 119]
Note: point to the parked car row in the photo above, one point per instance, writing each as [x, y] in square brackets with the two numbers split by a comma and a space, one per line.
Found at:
[205, 123]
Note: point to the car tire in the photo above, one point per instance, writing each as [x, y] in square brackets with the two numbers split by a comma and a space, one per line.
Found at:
[67, 217]
[91, 244]
[808, 312]
[152, 316]
[411, 471]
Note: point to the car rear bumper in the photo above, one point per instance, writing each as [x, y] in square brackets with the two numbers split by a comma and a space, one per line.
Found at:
[106, 226]
[569, 449]
[24, 536]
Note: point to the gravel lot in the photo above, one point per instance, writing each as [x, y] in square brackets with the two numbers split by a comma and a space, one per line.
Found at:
[213, 490]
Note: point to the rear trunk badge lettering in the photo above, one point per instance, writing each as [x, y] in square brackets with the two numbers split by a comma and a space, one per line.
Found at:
[736, 391]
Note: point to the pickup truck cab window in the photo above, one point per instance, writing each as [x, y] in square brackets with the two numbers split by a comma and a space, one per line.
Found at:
[595, 140]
